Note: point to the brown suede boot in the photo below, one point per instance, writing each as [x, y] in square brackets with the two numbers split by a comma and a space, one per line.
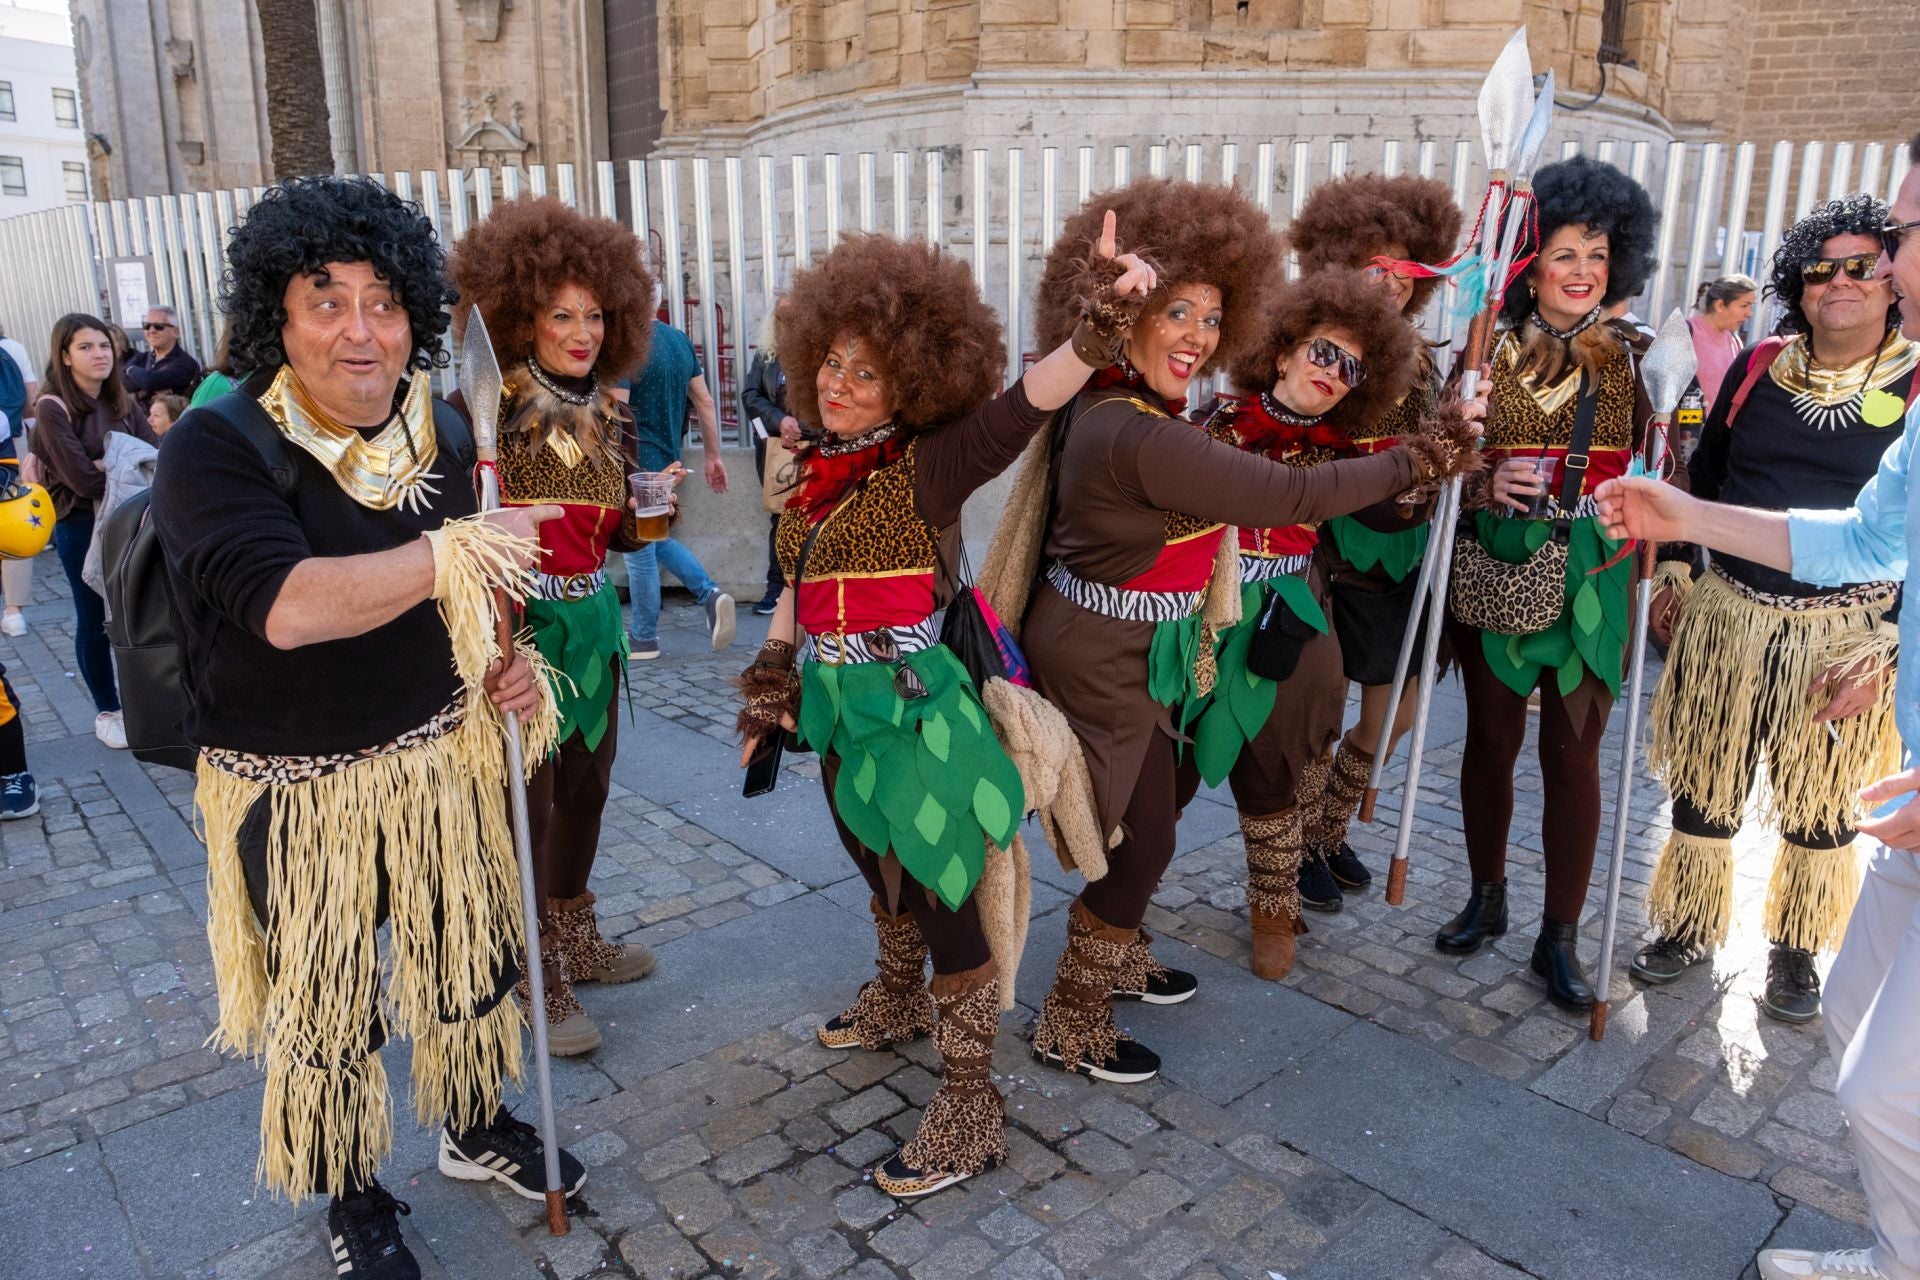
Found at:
[894, 1007]
[1075, 1030]
[1273, 889]
[963, 1130]
[590, 957]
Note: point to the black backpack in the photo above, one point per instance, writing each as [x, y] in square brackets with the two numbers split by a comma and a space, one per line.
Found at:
[13, 396]
[144, 629]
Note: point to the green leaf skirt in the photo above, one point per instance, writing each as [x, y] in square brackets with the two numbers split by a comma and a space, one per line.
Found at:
[1590, 635]
[924, 777]
[581, 639]
[1394, 554]
[1223, 722]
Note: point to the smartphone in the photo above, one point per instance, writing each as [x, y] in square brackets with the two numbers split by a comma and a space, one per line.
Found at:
[763, 769]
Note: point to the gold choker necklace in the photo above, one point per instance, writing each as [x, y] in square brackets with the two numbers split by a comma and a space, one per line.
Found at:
[390, 468]
[1830, 398]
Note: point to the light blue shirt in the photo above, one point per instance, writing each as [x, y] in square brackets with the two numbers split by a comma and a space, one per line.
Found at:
[1869, 542]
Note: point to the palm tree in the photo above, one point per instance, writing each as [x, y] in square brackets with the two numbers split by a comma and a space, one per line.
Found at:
[296, 88]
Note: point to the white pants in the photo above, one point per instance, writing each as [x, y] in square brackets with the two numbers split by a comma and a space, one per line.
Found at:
[1873, 1027]
[17, 578]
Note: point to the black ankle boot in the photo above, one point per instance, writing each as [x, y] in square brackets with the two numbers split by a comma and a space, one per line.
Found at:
[1557, 959]
[1485, 917]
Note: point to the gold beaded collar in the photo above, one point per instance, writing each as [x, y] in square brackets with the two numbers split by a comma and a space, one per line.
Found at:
[391, 468]
[1829, 398]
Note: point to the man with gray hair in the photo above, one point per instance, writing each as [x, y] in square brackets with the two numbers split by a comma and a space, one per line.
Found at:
[165, 365]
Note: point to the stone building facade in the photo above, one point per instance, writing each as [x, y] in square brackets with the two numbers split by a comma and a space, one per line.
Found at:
[849, 75]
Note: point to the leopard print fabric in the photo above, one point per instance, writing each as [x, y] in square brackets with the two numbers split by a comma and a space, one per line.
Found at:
[1310, 793]
[1519, 421]
[1405, 418]
[1076, 1019]
[1346, 783]
[578, 934]
[1273, 862]
[561, 1002]
[964, 1127]
[280, 771]
[1507, 599]
[894, 1007]
[1138, 967]
[876, 530]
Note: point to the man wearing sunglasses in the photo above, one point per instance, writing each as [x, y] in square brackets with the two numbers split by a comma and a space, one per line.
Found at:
[1872, 1020]
[165, 366]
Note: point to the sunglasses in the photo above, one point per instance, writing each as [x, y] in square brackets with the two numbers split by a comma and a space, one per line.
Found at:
[1891, 233]
[1858, 266]
[151, 327]
[1325, 355]
[1378, 275]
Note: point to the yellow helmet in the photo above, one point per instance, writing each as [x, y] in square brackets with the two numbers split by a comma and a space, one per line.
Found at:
[26, 517]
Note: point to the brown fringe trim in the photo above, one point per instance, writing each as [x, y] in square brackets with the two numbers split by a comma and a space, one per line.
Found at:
[1738, 668]
[1810, 896]
[537, 413]
[322, 1128]
[1692, 892]
[1076, 1018]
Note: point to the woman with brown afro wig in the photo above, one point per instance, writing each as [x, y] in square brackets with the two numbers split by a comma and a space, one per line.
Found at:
[894, 359]
[1566, 395]
[567, 302]
[1336, 358]
[1113, 559]
[1371, 226]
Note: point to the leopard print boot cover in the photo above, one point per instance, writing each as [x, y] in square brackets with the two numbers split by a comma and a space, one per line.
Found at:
[1076, 1019]
[1309, 796]
[963, 1129]
[561, 1003]
[1273, 862]
[1334, 814]
[894, 1007]
[1138, 966]
[587, 950]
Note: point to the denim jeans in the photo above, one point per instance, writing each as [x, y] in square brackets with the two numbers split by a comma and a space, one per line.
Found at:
[643, 583]
[92, 654]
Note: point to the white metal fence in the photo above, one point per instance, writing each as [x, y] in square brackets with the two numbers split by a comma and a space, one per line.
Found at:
[725, 234]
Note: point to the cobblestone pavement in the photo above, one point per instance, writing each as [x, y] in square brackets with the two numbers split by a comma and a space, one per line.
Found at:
[1386, 1112]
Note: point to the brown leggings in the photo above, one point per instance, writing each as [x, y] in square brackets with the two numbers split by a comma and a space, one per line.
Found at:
[1569, 770]
[1134, 868]
[566, 798]
[955, 938]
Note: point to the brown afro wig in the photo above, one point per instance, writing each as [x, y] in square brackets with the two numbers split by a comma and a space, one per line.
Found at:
[1350, 221]
[520, 257]
[1337, 298]
[1192, 232]
[937, 339]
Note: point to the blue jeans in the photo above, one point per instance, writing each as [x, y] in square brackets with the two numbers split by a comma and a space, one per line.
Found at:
[91, 652]
[643, 583]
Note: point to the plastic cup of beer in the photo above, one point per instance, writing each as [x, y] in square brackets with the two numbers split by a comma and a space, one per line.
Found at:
[1540, 505]
[653, 498]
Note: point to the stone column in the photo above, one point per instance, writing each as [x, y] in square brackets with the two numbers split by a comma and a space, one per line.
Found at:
[339, 82]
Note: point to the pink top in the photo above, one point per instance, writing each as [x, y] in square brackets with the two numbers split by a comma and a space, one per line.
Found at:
[1715, 352]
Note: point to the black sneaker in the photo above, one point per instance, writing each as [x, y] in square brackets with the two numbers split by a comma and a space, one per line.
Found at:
[364, 1229]
[508, 1151]
[1131, 1063]
[1319, 891]
[1665, 959]
[1348, 869]
[766, 604]
[1793, 987]
[1163, 986]
[19, 797]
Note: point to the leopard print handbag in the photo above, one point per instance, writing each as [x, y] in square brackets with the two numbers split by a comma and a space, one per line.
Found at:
[1508, 599]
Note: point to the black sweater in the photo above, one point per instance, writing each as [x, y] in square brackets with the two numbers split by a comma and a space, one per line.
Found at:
[231, 539]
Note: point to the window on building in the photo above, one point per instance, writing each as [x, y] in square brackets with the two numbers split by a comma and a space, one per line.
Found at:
[13, 176]
[66, 109]
[1613, 32]
[75, 174]
[6, 100]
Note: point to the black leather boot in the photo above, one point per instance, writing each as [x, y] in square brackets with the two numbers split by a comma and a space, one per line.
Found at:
[1556, 958]
[1485, 917]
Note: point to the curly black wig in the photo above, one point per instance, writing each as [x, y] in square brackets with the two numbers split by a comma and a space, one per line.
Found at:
[1336, 298]
[1351, 221]
[937, 339]
[1193, 232]
[1594, 194]
[512, 265]
[1860, 215]
[300, 226]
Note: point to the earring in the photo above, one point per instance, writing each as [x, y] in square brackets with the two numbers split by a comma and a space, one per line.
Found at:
[1532, 292]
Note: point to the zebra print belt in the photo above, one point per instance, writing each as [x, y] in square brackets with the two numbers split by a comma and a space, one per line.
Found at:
[1118, 602]
[882, 644]
[1266, 568]
[569, 587]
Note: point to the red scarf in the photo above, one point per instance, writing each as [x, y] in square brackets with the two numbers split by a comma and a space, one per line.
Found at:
[1127, 377]
[1257, 427]
[825, 480]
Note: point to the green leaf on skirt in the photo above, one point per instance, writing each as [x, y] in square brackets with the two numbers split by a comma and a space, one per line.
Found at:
[938, 737]
[1570, 674]
[930, 820]
[995, 814]
[954, 883]
[1299, 598]
[1217, 740]
[1588, 613]
[866, 776]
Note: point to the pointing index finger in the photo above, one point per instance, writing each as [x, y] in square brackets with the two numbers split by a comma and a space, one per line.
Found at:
[1108, 246]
